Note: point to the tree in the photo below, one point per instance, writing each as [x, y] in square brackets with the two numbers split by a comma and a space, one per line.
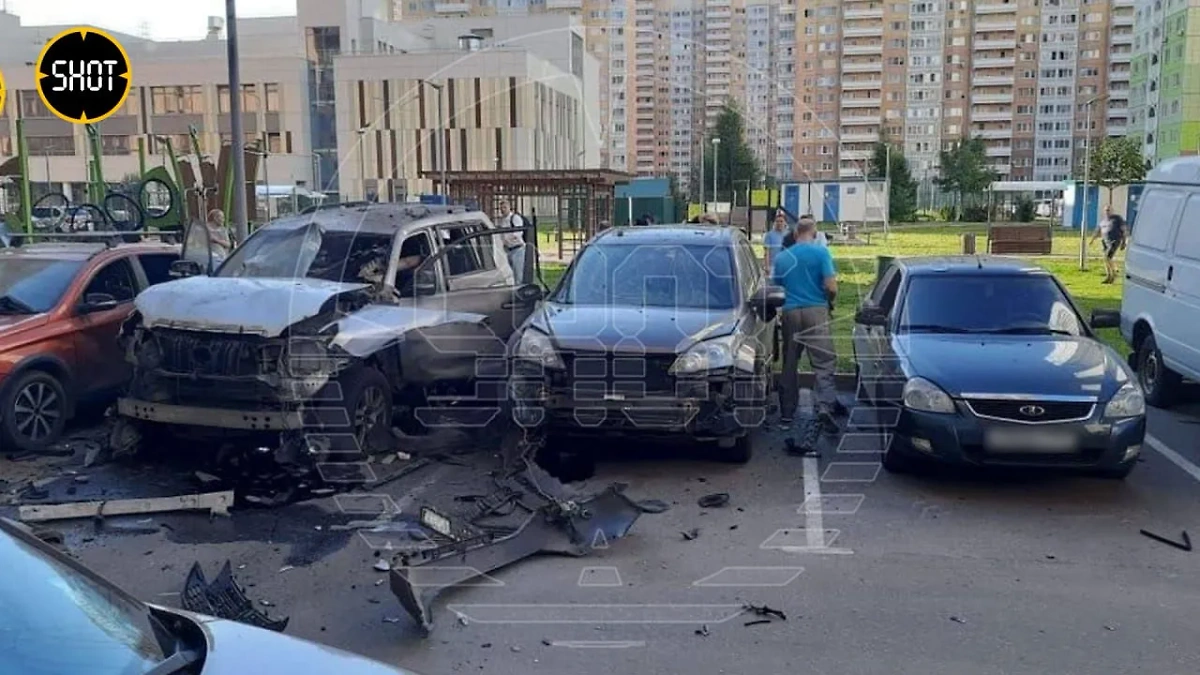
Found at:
[964, 171]
[902, 190]
[735, 160]
[1116, 161]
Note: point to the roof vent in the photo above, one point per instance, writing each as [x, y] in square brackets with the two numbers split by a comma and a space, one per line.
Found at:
[469, 42]
[215, 25]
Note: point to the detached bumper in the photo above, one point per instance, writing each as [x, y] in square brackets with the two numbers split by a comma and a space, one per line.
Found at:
[219, 418]
[962, 438]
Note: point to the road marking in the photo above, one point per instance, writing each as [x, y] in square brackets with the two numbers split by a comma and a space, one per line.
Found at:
[814, 522]
[1191, 469]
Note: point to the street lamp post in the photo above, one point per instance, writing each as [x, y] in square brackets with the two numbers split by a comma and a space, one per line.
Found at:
[441, 152]
[1083, 217]
[702, 209]
[716, 143]
[238, 151]
[362, 159]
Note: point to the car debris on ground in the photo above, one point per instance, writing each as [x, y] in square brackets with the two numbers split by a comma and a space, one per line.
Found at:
[225, 599]
[216, 503]
[1185, 543]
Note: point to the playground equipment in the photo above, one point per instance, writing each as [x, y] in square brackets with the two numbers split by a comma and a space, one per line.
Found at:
[165, 199]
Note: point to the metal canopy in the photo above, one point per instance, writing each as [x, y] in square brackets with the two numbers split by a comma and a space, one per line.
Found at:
[583, 197]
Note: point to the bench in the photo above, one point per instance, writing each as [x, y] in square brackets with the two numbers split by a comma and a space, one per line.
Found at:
[1020, 239]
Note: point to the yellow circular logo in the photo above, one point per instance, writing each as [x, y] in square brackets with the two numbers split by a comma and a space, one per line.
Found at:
[83, 75]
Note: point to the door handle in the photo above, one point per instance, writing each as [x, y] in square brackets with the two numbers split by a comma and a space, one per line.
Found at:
[1170, 272]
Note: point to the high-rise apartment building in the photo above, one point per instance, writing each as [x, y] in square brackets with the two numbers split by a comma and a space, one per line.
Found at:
[1164, 98]
[819, 82]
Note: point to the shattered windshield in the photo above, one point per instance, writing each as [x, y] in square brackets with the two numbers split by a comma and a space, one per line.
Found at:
[34, 285]
[312, 252]
[651, 275]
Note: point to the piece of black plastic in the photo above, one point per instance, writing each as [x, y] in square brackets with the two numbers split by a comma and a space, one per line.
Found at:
[714, 501]
[224, 599]
[1186, 545]
[653, 506]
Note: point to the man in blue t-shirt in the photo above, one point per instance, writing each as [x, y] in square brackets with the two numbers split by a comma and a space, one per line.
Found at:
[773, 239]
[806, 273]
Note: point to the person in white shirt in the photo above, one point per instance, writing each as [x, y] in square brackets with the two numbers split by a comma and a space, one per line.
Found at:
[514, 242]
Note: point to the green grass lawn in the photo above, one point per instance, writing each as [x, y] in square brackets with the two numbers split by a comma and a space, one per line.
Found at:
[856, 274]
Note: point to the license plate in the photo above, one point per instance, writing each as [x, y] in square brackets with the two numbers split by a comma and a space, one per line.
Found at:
[1030, 441]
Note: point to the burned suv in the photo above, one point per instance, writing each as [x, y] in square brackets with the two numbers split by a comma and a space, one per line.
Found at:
[321, 329]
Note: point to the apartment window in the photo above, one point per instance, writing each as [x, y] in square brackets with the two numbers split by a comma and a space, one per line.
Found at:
[50, 145]
[271, 90]
[114, 145]
[187, 99]
[249, 98]
[32, 106]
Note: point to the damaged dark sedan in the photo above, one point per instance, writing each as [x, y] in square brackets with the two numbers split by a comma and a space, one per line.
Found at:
[659, 331]
[320, 330]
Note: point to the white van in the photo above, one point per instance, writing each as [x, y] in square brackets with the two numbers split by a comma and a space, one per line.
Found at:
[1160, 307]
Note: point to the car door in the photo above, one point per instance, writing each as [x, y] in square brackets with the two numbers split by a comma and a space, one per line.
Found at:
[1148, 262]
[102, 365]
[156, 267]
[872, 344]
[1180, 324]
[760, 329]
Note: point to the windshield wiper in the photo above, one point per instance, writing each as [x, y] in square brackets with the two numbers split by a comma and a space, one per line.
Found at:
[175, 663]
[11, 305]
[1031, 330]
[935, 328]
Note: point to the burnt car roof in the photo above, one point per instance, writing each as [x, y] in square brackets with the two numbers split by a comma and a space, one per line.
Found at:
[667, 234]
[382, 218]
[969, 264]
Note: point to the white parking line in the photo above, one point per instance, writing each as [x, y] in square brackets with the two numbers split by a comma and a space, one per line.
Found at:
[814, 523]
[1191, 469]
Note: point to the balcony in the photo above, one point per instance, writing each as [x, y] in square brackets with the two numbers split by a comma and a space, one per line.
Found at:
[992, 116]
[852, 102]
[991, 133]
[1122, 19]
[1118, 111]
[994, 62]
[564, 4]
[998, 152]
[718, 13]
[1120, 57]
[1117, 129]
[849, 172]
[1003, 169]
[718, 24]
[1118, 76]
[981, 45]
[862, 31]
[862, 85]
[854, 120]
[996, 8]
[862, 66]
[865, 13]
[992, 81]
[988, 25]
[858, 155]
[860, 137]
[851, 50]
[452, 7]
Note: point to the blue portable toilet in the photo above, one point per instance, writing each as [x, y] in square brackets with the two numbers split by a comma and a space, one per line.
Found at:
[1132, 201]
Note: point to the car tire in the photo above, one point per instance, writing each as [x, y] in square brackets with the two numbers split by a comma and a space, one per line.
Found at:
[34, 411]
[1119, 472]
[1159, 383]
[366, 401]
[861, 394]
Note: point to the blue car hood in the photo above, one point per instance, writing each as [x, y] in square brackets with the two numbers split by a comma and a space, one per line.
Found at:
[1036, 366]
[654, 329]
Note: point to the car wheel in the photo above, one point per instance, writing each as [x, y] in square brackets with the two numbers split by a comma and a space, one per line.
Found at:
[860, 389]
[1159, 383]
[1120, 472]
[741, 451]
[369, 406]
[35, 410]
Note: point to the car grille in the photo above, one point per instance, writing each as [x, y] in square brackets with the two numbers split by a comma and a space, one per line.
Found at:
[191, 353]
[1031, 412]
[592, 375]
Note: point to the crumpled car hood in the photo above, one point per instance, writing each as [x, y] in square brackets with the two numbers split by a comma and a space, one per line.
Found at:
[263, 307]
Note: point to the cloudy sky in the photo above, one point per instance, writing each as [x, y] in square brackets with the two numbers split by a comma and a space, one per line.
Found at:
[166, 19]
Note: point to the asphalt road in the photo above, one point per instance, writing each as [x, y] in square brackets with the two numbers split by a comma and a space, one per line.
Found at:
[948, 573]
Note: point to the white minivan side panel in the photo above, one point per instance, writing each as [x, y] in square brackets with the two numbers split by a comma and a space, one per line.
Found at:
[1181, 325]
[1150, 271]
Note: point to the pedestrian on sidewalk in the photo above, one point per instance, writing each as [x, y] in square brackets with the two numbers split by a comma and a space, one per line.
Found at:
[514, 243]
[773, 239]
[807, 275]
[1111, 229]
[218, 235]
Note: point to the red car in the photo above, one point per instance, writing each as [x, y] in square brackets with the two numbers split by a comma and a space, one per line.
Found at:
[61, 307]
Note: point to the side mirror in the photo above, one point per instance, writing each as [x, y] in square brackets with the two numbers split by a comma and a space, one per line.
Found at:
[869, 315]
[768, 299]
[97, 302]
[425, 282]
[1105, 318]
[185, 268]
[530, 293]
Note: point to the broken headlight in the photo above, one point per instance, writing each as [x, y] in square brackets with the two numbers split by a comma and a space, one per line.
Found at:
[716, 354]
[147, 352]
[306, 357]
[536, 347]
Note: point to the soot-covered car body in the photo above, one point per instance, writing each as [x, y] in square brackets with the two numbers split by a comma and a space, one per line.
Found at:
[661, 331]
[319, 326]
